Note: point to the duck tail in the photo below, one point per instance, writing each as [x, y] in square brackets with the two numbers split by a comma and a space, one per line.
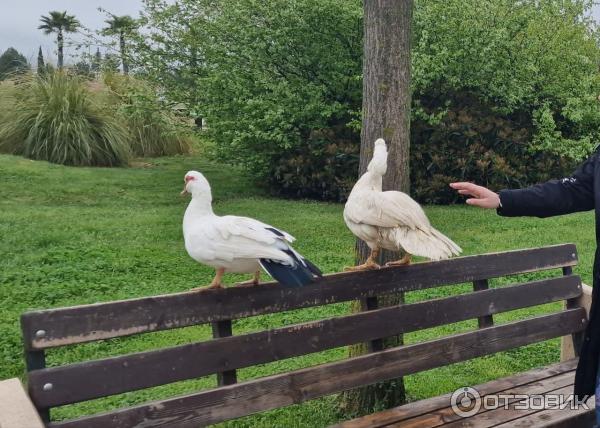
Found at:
[298, 274]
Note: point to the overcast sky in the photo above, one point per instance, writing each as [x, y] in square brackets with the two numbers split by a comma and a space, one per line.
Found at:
[20, 18]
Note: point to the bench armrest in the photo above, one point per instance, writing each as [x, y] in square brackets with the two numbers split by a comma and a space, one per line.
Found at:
[16, 409]
[567, 350]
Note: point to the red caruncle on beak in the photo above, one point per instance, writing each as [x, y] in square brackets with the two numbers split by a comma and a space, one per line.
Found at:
[187, 179]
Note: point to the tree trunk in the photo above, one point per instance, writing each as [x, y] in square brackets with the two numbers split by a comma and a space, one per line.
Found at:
[59, 42]
[123, 54]
[386, 114]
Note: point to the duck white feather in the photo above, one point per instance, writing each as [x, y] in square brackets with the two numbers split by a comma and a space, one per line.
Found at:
[392, 220]
[238, 244]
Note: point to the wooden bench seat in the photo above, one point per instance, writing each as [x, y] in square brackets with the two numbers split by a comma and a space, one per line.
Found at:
[438, 412]
[226, 352]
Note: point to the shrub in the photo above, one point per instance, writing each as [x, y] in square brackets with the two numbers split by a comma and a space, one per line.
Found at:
[472, 142]
[56, 119]
[12, 63]
[323, 168]
[469, 142]
[153, 130]
[275, 79]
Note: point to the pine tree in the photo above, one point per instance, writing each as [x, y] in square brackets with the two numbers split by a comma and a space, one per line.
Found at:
[41, 66]
[96, 61]
[12, 63]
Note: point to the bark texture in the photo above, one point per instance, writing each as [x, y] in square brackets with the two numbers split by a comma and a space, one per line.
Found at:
[386, 114]
[123, 49]
[60, 43]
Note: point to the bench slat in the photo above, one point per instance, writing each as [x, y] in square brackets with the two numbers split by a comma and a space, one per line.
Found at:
[419, 409]
[447, 418]
[115, 319]
[93, 379]
[495, 417]
[271, 392]
[557, 419]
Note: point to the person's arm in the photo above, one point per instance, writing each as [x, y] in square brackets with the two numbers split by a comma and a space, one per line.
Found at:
[555, 197]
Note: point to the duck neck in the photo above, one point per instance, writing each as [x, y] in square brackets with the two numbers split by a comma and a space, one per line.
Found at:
[201, 206]
[370, 181]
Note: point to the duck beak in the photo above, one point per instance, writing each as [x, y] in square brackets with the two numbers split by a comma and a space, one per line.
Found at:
[184, 191]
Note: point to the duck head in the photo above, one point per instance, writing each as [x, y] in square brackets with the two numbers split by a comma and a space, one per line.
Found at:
[197, 185]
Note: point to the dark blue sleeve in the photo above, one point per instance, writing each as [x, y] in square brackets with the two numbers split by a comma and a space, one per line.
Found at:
[555, 197]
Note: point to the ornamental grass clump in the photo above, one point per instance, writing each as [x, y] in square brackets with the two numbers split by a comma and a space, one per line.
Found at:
[154, 129]
[57, 119]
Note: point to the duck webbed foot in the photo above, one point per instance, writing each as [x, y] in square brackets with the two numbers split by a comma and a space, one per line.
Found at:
[404, 261]
[369, 264]
[253, 282]
[217, 281]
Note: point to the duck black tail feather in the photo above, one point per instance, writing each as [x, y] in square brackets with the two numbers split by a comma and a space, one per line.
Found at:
[303, 273]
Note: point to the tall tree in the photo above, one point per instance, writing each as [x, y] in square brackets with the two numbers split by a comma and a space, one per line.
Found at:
[96, 62]
[12, 63]
[40, 61]
[122, 27]
[59, 23]
[386, 114]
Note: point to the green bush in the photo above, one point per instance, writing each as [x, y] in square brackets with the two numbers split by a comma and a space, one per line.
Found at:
[153, 130]
[57, 119]
[472, 142]
[279, 83]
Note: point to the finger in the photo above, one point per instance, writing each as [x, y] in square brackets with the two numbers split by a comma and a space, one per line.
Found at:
[466, 192]
[463, 185]
[476, 202]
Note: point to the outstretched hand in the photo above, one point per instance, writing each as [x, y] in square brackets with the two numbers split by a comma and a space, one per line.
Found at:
[480, 196]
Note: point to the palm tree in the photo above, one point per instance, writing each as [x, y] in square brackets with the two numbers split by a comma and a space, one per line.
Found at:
[59, 23]
[121, 26]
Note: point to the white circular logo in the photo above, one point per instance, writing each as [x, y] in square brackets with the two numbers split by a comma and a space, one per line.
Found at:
[465, 401]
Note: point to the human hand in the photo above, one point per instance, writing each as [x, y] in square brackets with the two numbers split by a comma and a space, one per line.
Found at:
[480, 196]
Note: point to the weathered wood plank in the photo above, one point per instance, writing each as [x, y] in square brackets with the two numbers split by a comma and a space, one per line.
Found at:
[431, 405]
[93, 379]
[107, 320]
[576, 338]
[567, 346]
[488, 320]
[370, 304]
[276, 391]
[446, 417]
[507, 411]
[556, 418]
[36, 360]
[224, 329]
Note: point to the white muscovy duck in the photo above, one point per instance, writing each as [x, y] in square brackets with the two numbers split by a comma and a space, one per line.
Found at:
[239, 244]
[391, 220]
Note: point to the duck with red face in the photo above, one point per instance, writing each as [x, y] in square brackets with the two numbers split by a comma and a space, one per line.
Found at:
[239, 244]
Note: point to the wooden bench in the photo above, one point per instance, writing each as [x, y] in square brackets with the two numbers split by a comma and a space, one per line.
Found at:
[50, 387]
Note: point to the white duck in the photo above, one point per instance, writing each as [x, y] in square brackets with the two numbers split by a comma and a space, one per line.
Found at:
[391, 220]
[239, 244]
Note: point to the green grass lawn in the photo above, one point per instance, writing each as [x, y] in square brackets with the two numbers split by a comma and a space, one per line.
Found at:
[83, 235]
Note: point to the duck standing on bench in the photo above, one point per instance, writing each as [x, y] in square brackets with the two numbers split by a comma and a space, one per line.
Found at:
[239, 244]
[391, 220]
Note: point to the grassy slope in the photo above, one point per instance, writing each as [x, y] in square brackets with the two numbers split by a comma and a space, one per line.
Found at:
[82, 235]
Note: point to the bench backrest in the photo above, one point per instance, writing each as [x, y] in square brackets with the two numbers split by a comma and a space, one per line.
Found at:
[225, 353]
